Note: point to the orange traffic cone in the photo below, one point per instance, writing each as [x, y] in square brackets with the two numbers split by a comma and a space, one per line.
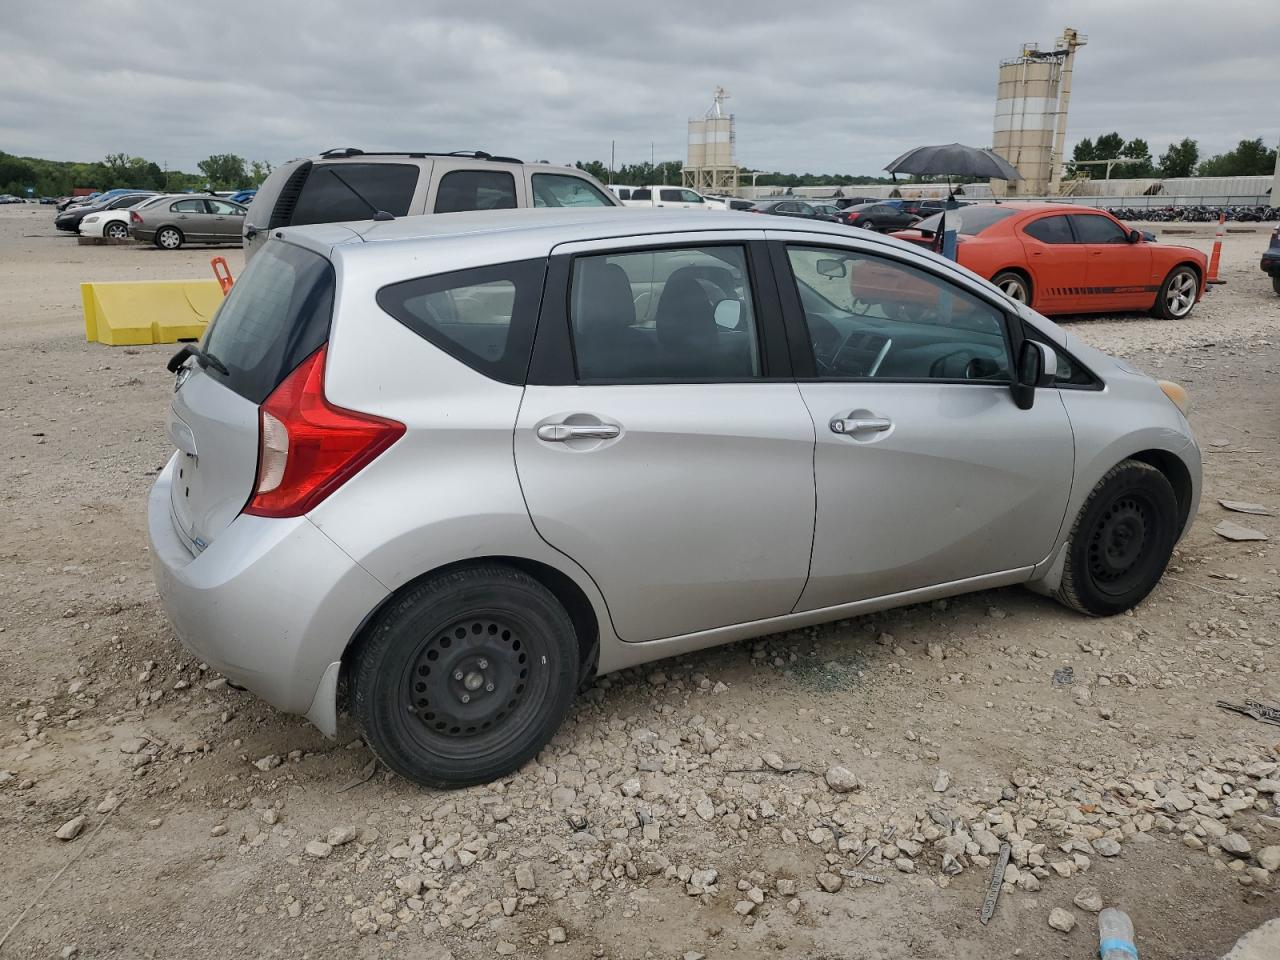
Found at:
[226, 281]
[1216, 257]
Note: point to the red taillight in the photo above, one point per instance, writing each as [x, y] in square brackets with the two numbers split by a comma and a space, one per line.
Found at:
[307, 447]
[135, 216]
[852, 216]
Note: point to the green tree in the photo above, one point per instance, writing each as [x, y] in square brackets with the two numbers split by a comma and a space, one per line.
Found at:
[1180, 159]
[595, 168]
[1250, 158]
[1108, 146]
[259, 170]
[1137, 150]
[16, 175]
[224, 171]
[1084, 150]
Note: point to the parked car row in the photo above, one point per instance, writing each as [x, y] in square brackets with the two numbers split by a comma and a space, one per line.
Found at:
[873, 215]
[169, 220]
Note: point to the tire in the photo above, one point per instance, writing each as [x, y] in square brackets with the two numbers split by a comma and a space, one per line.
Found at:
[1121, 541]
[168, 238]
[1177, 295]
[1015, 285]
[115, 230]
[1275, 284]
[867, 225]
[465, 677]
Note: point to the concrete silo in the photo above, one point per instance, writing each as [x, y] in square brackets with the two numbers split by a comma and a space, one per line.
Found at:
[709, 166]
[1032, 95]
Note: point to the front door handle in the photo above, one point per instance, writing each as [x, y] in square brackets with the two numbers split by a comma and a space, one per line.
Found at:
[560, 432]
[860, 425]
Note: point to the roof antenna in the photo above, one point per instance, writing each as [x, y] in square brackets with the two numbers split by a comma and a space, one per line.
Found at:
[377, 214]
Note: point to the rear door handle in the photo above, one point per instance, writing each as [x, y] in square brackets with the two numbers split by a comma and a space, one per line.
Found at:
[560, 432]
[860, 425]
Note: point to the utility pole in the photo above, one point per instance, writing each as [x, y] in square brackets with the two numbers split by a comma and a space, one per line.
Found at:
[612, 151]
[1275, 182]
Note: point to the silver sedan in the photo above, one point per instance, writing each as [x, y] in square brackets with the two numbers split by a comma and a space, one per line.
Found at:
[453, 466]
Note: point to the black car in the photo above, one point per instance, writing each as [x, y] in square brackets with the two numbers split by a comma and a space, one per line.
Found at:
[829, 212]
[70, 218]
[785, 207]
[878, 216]
[1271, 259]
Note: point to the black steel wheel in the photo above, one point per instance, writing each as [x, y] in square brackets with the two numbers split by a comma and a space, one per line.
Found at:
[1121, 541]
[465, 677]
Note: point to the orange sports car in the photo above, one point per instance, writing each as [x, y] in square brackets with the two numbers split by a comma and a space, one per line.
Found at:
[1060, 258]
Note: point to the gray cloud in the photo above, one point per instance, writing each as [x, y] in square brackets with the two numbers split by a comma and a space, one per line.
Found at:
[840, 88]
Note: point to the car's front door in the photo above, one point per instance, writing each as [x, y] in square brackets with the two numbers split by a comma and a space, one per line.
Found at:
[226, 219]
[927, 472]
[1118, 275]
[661, 442]
[1058, 264]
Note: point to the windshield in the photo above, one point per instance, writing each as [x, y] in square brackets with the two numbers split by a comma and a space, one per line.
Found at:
[973, 219]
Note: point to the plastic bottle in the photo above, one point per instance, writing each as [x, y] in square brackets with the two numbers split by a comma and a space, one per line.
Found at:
[1115, 935]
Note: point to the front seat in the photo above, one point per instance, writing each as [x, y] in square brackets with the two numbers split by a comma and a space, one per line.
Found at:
[609, 347]
[692, 344]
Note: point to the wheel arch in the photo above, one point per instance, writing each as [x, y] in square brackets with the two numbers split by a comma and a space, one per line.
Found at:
[577, 604]
[1176, 472]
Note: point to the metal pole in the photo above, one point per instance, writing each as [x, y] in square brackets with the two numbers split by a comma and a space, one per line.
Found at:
[1275, 182]
[612, 157]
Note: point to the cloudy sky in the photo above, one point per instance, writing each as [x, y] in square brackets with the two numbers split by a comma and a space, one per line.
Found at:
[834, 87]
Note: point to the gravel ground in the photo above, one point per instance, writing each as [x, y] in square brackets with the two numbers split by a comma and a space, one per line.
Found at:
[835, 792]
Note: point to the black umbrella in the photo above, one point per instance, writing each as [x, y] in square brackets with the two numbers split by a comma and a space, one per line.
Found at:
[954, 159]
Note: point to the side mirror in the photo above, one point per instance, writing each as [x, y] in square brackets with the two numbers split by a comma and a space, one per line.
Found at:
[1135, 236]
[833, 269]
[729, 314]
[1037, 368]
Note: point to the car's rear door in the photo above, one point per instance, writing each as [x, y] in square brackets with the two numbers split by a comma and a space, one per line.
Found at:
[927, 472]
[664, 446]
[1118, 273]
[192, 217]
[276, 315]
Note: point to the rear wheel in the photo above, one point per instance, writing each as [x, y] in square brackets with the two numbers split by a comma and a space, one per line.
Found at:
[168, 238]
[1121, 541]
[867, 224]
[1177, 294]
[1275, 283]
[1015, 285]
[116, 230]
[466, 677]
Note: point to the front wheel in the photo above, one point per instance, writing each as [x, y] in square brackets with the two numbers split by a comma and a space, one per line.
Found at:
[1275, 283]
[168, 238]
[1177, 294]
[1121, 541]
[465, 677]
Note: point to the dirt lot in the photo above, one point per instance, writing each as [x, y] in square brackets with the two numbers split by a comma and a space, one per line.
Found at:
[682, 811]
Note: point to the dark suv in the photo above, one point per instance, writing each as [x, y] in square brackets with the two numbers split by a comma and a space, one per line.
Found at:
[1271, 259]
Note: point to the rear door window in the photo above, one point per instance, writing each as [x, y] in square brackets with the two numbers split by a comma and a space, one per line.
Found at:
[563, 190]
[275, 316]
[671, 196]
[461, 190]
[641, 194]
[484, 317]
[1055, 229]
[325, 198]
[188, 206]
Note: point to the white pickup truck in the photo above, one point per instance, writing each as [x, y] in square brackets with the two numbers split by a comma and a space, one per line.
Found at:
[660, 196]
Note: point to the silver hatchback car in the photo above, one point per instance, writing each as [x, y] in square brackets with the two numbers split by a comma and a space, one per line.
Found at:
[442, 470]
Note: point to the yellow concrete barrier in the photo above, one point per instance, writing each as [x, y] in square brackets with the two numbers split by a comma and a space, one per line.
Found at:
[127, 313]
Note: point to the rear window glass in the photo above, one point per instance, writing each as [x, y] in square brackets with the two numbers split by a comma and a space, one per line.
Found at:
[670, 196]
[1050, 230]
[641, 195]
[275, 316]
[973, 219]
[483, 317]
[326, 199]
[461, 190]
[563, 190]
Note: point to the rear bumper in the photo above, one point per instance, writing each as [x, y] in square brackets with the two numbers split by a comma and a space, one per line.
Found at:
[141, 233]
[271, 603]
[1271, 264]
